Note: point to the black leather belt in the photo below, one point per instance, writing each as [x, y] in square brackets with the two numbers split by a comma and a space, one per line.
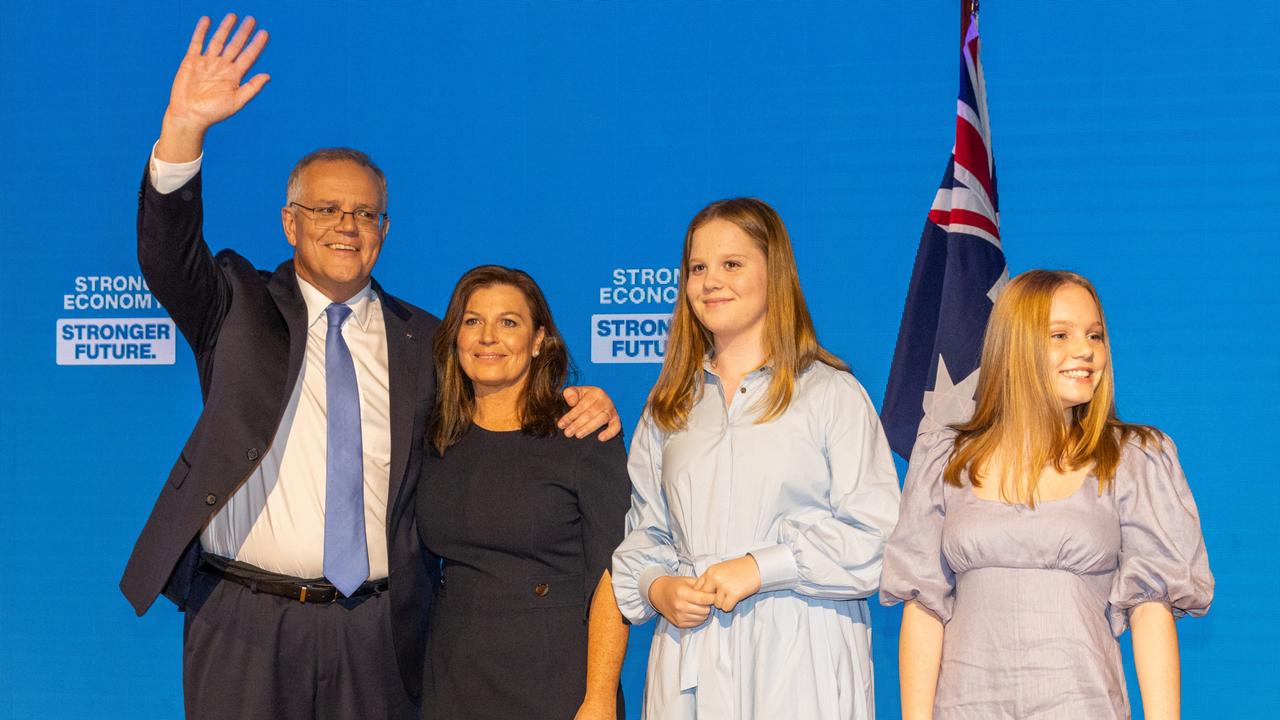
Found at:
[304, 592]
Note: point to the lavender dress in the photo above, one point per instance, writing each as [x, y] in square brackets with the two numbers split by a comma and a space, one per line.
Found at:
[1033, 600]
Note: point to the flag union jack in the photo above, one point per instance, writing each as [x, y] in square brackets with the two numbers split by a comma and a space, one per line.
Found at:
[959, 270]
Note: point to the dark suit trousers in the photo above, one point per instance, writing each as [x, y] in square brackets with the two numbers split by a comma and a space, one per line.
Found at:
[251, 656]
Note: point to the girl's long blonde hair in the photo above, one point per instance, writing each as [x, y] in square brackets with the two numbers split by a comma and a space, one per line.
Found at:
[1019, 417]
[790, 341]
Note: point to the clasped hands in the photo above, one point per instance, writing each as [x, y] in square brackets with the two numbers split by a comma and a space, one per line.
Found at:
[686, 602]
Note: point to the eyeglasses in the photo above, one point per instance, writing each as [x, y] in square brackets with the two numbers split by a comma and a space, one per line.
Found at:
[332, 216]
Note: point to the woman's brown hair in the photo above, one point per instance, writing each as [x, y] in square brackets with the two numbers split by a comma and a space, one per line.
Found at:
[541, 403]
[790, 341]
[1019, 417]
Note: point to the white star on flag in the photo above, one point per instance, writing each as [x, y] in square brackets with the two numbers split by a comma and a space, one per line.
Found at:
[948, 403]
[995, 289]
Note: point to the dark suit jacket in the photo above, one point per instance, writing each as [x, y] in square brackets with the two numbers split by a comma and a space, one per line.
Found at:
[248, 330]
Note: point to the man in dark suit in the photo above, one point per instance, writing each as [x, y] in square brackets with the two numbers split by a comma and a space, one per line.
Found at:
[285, 531]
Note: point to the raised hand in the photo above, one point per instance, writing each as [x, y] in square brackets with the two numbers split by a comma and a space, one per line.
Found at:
[730, 582]
[207, 88]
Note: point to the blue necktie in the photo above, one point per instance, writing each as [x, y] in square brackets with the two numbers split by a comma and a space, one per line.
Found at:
[346, 558]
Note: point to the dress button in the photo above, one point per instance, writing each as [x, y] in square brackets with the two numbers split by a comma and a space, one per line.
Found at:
[541, 589]
[188, 195]
[252, 454]
[210, 499]
[743, 389]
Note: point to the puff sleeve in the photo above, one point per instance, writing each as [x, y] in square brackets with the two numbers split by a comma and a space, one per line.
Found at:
[914, 566]
[1162, 552]
[647, 551]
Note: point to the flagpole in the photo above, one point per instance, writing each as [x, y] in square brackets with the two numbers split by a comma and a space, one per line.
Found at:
[968, 9]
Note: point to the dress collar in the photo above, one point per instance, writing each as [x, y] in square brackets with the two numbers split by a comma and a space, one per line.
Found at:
[709, 372]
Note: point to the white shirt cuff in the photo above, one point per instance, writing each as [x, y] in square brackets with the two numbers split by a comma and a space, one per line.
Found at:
[777, 567]
[167, 177]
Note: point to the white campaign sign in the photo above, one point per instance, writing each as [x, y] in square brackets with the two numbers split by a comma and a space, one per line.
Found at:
[115, 341]
[629, 338]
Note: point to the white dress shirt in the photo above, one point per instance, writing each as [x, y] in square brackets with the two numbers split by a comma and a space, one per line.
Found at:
[275, 519]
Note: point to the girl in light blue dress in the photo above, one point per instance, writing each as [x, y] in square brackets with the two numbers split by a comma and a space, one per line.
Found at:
[763, 495]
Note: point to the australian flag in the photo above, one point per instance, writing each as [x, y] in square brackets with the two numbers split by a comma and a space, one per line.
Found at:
[959, 270]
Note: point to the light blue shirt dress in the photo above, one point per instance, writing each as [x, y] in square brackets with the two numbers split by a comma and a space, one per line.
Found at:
[813, 496]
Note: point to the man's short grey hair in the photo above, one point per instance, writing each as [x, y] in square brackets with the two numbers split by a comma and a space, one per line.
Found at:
[294, 188]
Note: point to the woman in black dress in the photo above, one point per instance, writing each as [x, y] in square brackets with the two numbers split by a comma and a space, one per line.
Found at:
[524, 519]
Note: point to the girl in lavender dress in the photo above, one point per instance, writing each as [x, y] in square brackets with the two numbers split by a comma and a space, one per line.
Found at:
[1032, 535]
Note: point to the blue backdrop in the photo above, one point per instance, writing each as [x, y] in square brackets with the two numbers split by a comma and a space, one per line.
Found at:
[1136, 143]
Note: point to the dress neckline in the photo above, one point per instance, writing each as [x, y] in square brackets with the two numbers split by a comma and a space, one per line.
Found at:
[487, 431]
[1070, 496]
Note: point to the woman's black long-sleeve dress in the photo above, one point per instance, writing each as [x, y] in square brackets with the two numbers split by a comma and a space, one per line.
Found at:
[525, 526]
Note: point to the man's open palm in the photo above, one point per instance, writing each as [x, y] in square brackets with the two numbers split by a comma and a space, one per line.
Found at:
[208, 88]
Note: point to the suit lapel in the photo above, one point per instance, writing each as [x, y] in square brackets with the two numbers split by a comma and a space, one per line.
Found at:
[403, 361]
[284, 288]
